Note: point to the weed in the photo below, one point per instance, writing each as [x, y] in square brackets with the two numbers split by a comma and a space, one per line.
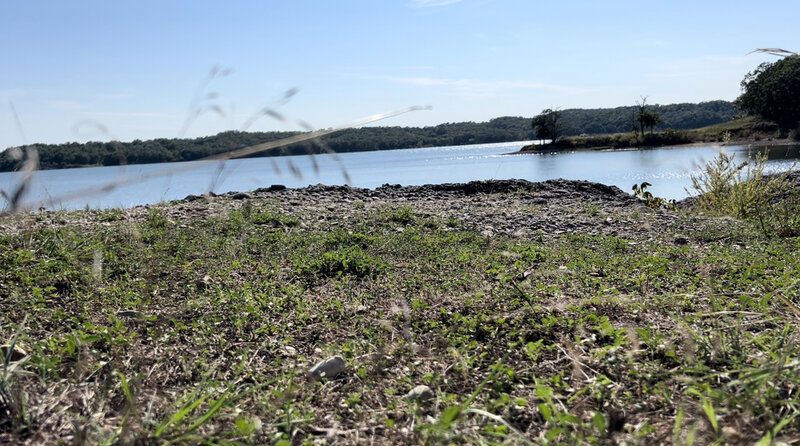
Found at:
[14, 414]
[640, 191]
[403, 214]
[348, 261]
[271, 218]
[743, 190]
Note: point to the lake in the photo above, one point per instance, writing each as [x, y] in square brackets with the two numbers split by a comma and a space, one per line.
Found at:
[667, 169]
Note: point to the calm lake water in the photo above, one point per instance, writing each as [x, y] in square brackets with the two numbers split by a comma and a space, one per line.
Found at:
[668, 170]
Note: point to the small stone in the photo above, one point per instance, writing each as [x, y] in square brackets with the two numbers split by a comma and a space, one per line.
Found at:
[361, 309]
[329, 368]
[127, 313]
[420, 393]
[289, 351]
[680, 241]
[204, 282]
[17, 352]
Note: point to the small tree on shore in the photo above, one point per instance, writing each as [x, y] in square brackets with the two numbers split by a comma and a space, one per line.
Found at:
[646, 119]
[546, 124]
[650, 119]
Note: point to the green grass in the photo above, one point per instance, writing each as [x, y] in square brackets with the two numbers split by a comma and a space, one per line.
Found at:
[167, 330]
[748, 128]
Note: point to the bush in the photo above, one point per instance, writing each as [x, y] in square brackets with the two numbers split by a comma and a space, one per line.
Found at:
[743, 190]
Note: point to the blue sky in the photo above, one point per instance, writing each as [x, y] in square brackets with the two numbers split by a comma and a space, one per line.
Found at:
[94, 70]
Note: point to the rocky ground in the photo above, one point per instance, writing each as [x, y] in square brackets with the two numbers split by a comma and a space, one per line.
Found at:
[487, 312]
[497, 207]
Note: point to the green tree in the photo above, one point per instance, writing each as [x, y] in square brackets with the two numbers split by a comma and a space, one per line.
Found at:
[547, 124]
[773, 91]
[649, 119]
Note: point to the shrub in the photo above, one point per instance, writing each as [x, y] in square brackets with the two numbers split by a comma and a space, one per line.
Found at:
[350, 261]
[743, 190]
[403, 215]
[274, 219]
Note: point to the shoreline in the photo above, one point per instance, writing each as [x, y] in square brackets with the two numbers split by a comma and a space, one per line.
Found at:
[751, 142]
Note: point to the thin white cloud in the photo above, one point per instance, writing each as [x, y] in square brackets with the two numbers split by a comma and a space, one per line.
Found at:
[432, 3]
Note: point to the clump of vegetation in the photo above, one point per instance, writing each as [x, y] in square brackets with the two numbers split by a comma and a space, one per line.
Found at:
[271, 218]
[771, 91]
[403, 215]
[744, 190]
[14, 414]
[640, 191]
[351, 261]
[547, 124]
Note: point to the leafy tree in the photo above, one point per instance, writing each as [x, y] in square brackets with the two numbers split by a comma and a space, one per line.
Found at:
[547, 124]
[773, 91]
[649, 119]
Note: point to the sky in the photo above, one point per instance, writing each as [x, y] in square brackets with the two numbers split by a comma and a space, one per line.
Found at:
[101, 70]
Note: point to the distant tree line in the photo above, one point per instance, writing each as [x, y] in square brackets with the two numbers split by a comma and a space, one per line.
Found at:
[621, 119]
[504, 129]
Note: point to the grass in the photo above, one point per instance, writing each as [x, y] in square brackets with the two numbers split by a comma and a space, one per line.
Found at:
[745, 190]
[163, 328]
[747, 128]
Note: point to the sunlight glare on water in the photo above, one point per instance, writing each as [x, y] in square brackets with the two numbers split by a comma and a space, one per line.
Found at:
[669, 171]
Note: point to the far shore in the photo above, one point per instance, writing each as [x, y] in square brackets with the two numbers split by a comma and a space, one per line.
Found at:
[549, 148]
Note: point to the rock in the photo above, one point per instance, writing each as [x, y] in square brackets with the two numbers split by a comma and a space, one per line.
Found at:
[17, 352]
[190, 198]
[329, 368]
[204, 283]
[240, 196]
[128, 313]
[680, 241]
[420, 393]
[289, 351]
[272, 188]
